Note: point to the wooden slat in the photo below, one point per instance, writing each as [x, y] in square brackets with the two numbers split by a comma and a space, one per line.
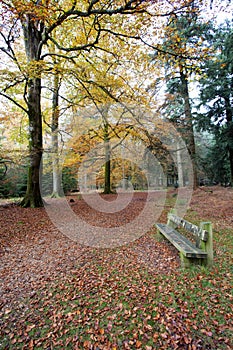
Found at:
[181, 243]
[197, 231]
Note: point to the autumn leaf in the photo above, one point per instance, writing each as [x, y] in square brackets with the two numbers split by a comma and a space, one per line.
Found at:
[56, 291]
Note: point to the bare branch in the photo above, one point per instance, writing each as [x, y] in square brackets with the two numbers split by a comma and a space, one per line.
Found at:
[15, 102]
[14, 83]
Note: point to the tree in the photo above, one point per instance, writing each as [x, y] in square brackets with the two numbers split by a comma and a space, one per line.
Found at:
[184, 49]
[105, 131]
[55, 130]
[95, 22]
[110, 96]
[37, 21]
[215, 161]
[216, 96]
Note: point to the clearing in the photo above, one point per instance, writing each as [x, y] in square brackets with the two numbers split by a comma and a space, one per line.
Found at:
[58, 294]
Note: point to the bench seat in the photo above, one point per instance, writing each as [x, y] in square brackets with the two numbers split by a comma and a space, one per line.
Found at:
[187, 248]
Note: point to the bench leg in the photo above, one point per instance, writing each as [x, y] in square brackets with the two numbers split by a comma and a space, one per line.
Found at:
[208, 246]
[184, 262]
[188, 262]
[160, 237]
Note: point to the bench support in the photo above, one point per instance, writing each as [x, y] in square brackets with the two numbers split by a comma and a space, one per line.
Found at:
[205, 246]
[208, 245]
[188, 262]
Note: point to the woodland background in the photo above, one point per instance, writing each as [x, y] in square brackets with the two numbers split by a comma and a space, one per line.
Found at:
[75, 75]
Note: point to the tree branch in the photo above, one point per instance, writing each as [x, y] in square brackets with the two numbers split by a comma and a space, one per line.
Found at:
[15, 102]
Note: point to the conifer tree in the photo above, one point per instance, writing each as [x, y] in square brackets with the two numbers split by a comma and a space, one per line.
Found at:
[217, 95]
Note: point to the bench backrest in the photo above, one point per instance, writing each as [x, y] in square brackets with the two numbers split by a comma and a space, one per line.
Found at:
[203, 234]
[200, 234]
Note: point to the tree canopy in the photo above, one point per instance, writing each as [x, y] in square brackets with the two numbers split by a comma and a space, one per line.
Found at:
[60, 57]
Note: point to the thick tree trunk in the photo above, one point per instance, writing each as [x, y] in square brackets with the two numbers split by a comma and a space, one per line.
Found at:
[33, 195]
[32, 39]
[189, 125]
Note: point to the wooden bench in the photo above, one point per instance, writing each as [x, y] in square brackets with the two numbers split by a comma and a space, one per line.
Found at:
[198, 253]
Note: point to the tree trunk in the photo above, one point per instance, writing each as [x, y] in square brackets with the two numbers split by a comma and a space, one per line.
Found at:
[189, 124]
[55, 149]
[180, 167]
[107, 167]
[32, 39]
[33, 195]
[229, 118]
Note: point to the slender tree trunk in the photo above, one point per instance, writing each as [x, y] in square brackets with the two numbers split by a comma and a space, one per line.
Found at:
[55, 146]
[32, 38]
[189, 124]
[107, 169]
[180, 167]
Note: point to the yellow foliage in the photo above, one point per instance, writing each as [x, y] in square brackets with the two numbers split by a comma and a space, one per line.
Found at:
[34, 69]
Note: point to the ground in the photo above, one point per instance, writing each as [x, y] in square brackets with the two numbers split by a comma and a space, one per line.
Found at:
[56, 293]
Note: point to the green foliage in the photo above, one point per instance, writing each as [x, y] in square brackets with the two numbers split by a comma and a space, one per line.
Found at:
[14, 183]
[218, 160]
[47, 183]
[216, 96]
[216, 84]
[69, 180]
[3, 165]
[3, 169]
[212, 159]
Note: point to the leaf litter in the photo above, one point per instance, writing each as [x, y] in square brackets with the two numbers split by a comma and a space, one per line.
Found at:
[58, 294]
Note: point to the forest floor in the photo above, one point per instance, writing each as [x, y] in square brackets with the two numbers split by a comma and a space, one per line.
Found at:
[56, 293]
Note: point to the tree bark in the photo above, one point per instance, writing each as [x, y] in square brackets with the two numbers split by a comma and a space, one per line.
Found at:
[55, 147]
[189, 132]
[33, 195]
[107, 168]
[179, 167]
[32, 38]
